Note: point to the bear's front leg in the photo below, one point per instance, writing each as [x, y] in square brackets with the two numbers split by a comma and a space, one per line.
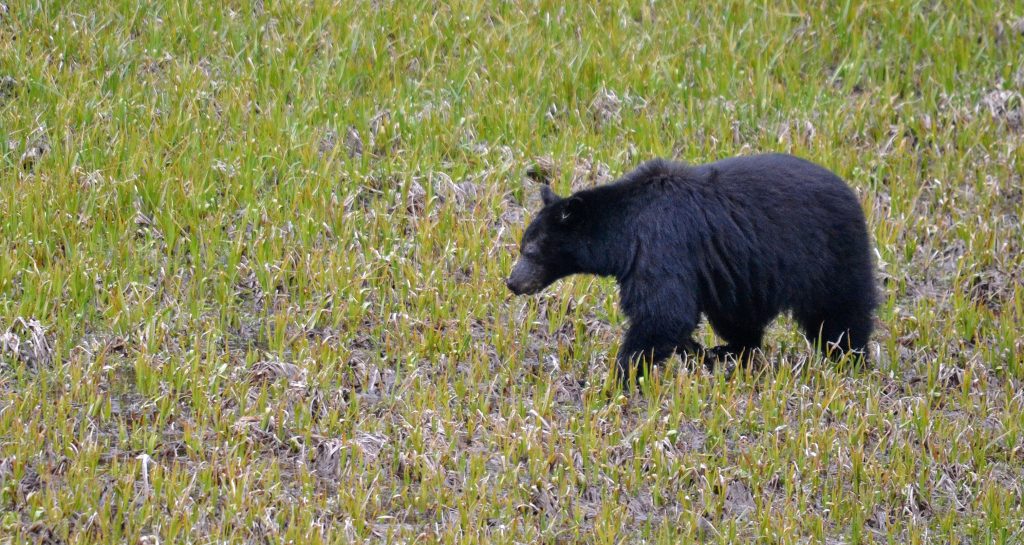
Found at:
[645, 345]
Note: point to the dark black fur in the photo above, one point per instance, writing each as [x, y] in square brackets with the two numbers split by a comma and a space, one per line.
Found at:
[739, 240]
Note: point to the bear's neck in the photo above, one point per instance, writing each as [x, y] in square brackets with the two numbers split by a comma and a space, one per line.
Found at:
[611, 248]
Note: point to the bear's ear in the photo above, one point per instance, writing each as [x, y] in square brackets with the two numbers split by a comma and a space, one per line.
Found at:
[571, 211]
[548, 195]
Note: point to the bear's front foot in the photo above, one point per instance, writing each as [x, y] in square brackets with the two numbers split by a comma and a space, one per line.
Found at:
[741, 356]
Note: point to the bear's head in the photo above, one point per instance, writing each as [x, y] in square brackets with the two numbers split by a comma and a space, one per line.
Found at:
[550, 245]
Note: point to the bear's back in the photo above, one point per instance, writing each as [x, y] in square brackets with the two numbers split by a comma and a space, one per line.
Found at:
[774, 174]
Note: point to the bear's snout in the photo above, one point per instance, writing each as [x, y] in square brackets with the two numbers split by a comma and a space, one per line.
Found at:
[526, 278]
[512, 286]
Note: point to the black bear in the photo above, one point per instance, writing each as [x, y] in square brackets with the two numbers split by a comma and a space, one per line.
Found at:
[739, 241]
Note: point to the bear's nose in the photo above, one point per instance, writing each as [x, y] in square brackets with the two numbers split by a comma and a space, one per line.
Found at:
[510, 286]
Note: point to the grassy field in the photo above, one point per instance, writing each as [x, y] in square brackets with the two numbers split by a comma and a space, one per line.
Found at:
[252, 264]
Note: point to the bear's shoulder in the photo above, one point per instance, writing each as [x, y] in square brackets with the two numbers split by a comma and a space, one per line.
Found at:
[657, 172]
[660, 168]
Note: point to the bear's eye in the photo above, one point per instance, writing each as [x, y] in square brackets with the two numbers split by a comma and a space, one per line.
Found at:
[531, 250]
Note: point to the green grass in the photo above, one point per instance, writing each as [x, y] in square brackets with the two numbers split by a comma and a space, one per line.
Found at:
[252, 263]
